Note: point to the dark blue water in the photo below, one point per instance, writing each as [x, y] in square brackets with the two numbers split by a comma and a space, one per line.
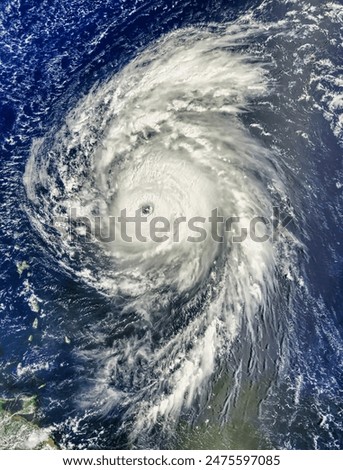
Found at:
[51, 54]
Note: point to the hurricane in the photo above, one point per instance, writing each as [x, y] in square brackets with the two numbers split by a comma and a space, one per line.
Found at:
[216, 336]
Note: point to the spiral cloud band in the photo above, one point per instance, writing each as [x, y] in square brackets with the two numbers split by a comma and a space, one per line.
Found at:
[165, 138]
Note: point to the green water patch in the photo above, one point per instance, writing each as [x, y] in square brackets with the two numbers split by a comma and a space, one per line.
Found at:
[239, 429]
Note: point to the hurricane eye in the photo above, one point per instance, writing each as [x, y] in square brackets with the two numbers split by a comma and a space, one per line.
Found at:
[147, 209]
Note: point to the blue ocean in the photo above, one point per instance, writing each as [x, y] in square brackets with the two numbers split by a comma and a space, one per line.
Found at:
[176, 108]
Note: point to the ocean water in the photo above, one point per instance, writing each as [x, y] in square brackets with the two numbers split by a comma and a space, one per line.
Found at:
[183, 107]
